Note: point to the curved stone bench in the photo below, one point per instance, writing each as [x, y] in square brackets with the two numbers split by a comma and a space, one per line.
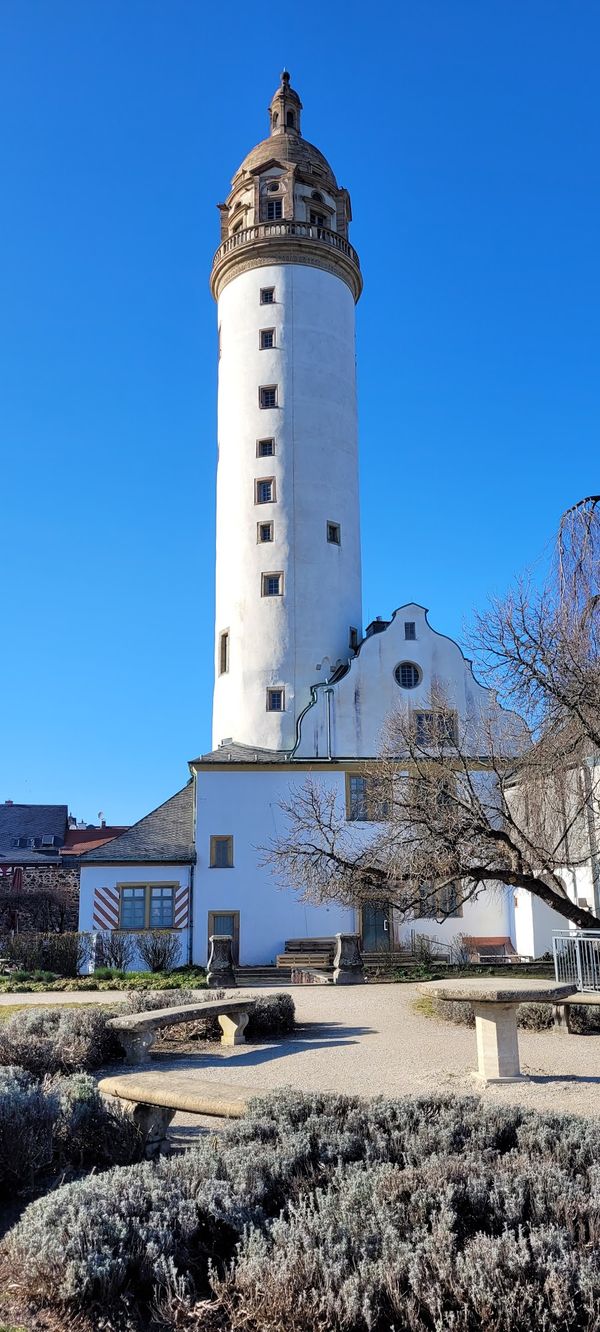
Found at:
[495, 1007]
[152, 1098]
[137, 1031]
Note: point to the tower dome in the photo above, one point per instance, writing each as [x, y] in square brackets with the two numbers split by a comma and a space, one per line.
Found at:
[285, 201]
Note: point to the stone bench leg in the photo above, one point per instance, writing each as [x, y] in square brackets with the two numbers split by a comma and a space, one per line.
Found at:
[562, 1017]
[152, 1122]
[137, 1045]
[233, 1026]
[497, 1043]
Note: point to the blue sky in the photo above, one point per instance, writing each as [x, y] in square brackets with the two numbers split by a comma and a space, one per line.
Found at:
[468, 133]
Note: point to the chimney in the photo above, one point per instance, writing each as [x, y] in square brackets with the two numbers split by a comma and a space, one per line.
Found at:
[9, 802]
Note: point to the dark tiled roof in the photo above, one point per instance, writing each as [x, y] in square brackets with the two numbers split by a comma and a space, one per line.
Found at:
[167, 834]
[232, 752]
[31, 821]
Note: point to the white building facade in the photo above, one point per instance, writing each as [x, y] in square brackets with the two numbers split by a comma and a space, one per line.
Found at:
[300, 690]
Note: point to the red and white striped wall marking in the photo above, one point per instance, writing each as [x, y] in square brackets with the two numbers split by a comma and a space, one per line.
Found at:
[106, 909]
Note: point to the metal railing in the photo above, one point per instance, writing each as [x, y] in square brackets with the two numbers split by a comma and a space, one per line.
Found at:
[577, 958]
[283, 229]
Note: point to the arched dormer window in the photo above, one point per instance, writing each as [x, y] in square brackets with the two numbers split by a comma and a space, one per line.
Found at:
[315, 195]
[290, 120]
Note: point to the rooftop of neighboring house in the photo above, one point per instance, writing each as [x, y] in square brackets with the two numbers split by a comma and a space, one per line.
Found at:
[80, 840]
[32, 832]
[45, 834]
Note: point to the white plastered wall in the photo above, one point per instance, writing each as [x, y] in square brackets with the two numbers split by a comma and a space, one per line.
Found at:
[279, 641]
[112, 876]
[247, 806]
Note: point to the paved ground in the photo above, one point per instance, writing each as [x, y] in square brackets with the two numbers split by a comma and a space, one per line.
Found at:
[368, 1040]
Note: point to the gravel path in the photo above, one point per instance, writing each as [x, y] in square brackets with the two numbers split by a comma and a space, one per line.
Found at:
[368, 1040]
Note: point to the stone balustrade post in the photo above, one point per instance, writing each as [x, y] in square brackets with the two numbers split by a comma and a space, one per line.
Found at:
[348, 966]
[219, 970]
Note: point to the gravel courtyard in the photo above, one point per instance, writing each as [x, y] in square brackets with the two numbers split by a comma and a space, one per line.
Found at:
[369, 1040]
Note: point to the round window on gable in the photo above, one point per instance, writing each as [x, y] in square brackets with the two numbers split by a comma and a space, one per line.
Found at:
[407, 675]
[273, 186]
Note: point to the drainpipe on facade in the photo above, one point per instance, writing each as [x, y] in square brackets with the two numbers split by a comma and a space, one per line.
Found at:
[313, 699]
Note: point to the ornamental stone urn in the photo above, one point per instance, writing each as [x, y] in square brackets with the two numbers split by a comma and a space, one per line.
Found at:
[348, 966]
[219, 971]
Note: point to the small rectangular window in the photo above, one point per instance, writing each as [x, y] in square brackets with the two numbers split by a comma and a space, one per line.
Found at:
[265, 490]
[410, 630]
[272, 584]
[274, 210]
[275, 700]
[265, 532]
[133, 908]
[267, 338]
[267, 295]
[224, 653]
[265, 448]
[317, 219]
[334, 534]
[221, 852]
[267, 395]
[353, 638]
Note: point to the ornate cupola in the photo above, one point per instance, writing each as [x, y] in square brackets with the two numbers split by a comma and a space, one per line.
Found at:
[285, 205]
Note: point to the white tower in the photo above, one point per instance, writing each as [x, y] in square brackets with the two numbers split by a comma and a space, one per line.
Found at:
[288, 576]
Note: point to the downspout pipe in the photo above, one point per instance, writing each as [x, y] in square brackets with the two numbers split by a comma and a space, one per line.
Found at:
[314, 692]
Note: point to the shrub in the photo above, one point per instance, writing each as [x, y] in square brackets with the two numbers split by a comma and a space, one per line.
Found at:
[59, 1125]
[27, 1117]
[159, 949]
[46, 1041]
[114, 950]
[328, 1212]
[584, 1019]
[273, 1015]
[63, 954]
[144, 1001]
[533, 1017]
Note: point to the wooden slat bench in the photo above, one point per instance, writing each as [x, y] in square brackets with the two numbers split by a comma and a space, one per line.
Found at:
[137, 1031]
[153, 1098]
[302, 959]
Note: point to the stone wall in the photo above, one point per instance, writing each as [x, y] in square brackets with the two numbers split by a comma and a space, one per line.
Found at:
[47, 901]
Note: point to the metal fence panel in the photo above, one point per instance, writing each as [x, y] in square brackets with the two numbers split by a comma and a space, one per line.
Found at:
[577, 958]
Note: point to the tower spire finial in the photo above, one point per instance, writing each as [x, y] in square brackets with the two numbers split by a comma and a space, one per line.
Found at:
[285, 108]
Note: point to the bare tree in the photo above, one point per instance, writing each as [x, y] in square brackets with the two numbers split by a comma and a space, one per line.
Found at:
[490, 799]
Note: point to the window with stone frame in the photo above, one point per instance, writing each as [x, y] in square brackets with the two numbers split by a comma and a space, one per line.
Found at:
[265, 490]
[368, 798]
[221, 851]
[267, 395]
[276, 699]
[147, 906]
[272, 584]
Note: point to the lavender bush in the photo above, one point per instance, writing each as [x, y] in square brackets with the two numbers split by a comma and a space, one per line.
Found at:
[328, 1212]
